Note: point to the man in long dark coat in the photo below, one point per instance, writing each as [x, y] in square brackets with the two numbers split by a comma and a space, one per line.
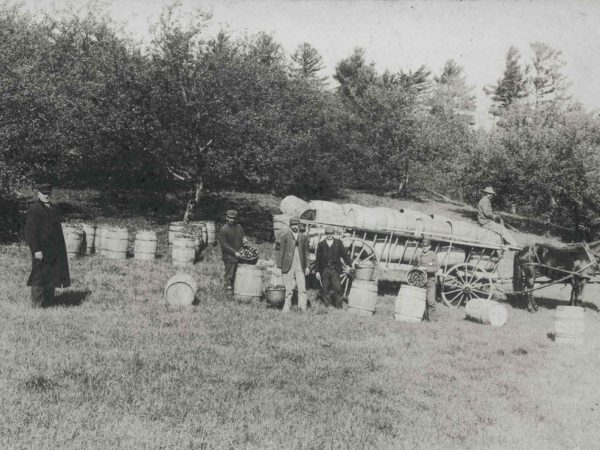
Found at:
[44, 236]
[330, 256]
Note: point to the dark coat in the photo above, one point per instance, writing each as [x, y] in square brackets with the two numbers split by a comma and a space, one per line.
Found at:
[338, 252]
[43, 232]
[287, 248]
[231, 238]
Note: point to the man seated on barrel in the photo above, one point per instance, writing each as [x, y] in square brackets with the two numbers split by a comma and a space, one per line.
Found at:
[490, 220]
[330, 256]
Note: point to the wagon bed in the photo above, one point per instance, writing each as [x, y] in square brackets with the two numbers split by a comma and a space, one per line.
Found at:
[468, 267]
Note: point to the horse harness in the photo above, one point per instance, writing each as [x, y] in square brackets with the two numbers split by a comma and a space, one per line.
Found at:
[538, 263]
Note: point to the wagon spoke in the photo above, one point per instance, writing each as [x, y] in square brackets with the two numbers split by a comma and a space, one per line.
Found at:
[454, 290]
[480, 292]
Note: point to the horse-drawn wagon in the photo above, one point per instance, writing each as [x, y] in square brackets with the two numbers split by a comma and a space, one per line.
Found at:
[391, 241]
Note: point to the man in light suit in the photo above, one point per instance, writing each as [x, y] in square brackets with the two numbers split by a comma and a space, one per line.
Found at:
[293, 262]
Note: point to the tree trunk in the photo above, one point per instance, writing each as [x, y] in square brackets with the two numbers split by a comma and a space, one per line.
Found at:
[403, 186]
[193, 201]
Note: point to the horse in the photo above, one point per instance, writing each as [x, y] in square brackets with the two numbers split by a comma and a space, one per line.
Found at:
[574, 263]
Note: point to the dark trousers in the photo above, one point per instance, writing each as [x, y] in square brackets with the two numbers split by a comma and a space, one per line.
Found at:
[430, 295]
[332, 287]
[230, 269]
[42, 295]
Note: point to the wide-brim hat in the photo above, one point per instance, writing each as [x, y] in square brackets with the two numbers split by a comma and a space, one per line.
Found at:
[489, 190]
[44, 188]
[232, 213]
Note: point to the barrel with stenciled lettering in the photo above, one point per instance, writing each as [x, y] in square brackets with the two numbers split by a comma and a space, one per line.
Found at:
[569, 325]
[362, 297]
[410, 304]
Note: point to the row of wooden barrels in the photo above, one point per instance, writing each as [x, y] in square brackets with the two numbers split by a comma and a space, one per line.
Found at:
[383, 219]
[186, 241]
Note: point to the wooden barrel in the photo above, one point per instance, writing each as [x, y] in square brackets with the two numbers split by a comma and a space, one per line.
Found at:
[274, 276]
[201, 231]
[362, 297]
[569, 325]
[450, 256]
[281, 224]
[211, 233]
[385, 250]
[175, 228]
[145, 245]
[275, 297]
[74, 240]
[116, 241]
[440, 226]
[412, 251]
[183, 251]
[410, 304]
[100, 238]
[195, 229]
[488, 236]
[180, 290]
[465, 231]
[90, 238]
[416, 221]
[364, 273]
[292, 205]
[248, 282]
[328, 212]
[486, 311]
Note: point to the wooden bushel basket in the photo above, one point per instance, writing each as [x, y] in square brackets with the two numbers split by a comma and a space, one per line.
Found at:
[275, 297]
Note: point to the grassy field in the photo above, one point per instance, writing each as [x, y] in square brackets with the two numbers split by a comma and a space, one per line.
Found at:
[111, 367]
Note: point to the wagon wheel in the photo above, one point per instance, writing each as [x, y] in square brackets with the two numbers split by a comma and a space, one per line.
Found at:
[359, 251]
[464, 282]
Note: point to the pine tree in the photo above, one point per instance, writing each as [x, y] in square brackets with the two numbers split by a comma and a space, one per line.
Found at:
[513, 85]
[549, 84]
[307, 62]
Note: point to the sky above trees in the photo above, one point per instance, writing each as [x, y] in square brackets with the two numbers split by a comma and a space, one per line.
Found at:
[404, 35]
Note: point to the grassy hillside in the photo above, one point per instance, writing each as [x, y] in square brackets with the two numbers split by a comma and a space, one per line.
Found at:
[111, 367]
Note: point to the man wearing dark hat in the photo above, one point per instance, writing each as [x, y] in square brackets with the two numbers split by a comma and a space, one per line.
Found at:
[293, 262]
[428, 262]
[231, 238]
[330, 256]
[491, 221]
[44, 236]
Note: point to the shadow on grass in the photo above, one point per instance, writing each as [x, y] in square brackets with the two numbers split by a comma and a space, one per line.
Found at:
[547, 303]
[70, 298]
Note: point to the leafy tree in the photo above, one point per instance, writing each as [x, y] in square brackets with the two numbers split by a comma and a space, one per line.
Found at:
[354, 75]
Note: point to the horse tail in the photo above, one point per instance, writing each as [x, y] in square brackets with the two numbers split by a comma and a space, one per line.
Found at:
[517, 272]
